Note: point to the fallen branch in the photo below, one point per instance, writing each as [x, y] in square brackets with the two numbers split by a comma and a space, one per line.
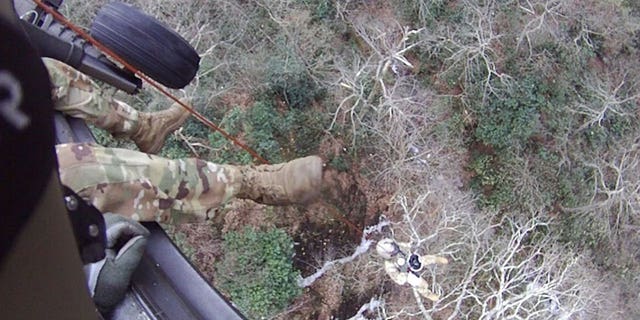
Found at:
[370, 306]
[362, 248]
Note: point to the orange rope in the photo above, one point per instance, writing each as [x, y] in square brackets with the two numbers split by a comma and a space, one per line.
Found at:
[150, 81]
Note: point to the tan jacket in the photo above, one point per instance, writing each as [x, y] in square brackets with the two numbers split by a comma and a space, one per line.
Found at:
[399, 272]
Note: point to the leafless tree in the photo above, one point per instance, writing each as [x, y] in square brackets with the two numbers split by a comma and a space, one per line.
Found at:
[368, 84]
[604, 100]
[509, 269]
[544, 16]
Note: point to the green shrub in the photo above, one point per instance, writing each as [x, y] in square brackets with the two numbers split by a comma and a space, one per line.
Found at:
[302, 130]
[263, 128]
[491, 181]
[225, 151]
[257, 271]
[105, 139]
[232, 121]
[339, 162]
[291, 82]
[284, 135]
[584, 231]
[511, 118]
[511, 125]
[174, 149]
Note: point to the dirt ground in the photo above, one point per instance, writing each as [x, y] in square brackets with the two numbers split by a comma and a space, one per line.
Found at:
[328, 229]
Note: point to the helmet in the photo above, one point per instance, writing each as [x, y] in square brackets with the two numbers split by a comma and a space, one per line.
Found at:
[414, 263]
[387, 248]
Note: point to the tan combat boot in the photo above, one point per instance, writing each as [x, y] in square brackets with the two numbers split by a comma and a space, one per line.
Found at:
[294, 182]
[153, 127]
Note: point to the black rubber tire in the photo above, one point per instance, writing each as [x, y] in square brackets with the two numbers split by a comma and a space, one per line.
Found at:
[146, 44]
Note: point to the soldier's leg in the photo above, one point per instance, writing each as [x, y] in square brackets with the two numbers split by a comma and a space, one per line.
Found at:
[430, 259]
[422, 286]
[77, 95]
[147, 187]
[394, 273]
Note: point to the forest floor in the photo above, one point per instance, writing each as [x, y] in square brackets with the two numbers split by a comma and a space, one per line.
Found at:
[328, 229]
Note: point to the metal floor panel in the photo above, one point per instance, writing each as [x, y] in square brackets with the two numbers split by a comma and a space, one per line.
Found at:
[165, 285]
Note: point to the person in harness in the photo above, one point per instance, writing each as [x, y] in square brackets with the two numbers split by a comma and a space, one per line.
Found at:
[403, 266]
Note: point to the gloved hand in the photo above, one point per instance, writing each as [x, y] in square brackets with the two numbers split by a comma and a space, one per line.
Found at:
[109, 278]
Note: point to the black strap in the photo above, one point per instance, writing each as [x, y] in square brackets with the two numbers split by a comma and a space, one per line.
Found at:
[88, 225]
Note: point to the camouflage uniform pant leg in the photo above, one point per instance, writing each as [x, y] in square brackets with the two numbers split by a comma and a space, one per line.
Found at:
[394, 273]
[402, 278]
[422, 286]
[146, 187]
[428, 259]
[75, 94]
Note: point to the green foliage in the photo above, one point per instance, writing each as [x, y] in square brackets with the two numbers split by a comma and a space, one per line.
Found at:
[291, 82]
[303, 129]
[506, 122]
[277, 135]
[452, 127]
[493, 184]
[517, 119]
[195, 128]
[320, 9]
[232, 121]
[600, 137]
[510, 119]
[102, 137]
[283, 135]
[340, 162]
[584, 231]
[257, 271]
[105, 139]
[260, 25]
[226, 151]
[264, 128]
[173, 149]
